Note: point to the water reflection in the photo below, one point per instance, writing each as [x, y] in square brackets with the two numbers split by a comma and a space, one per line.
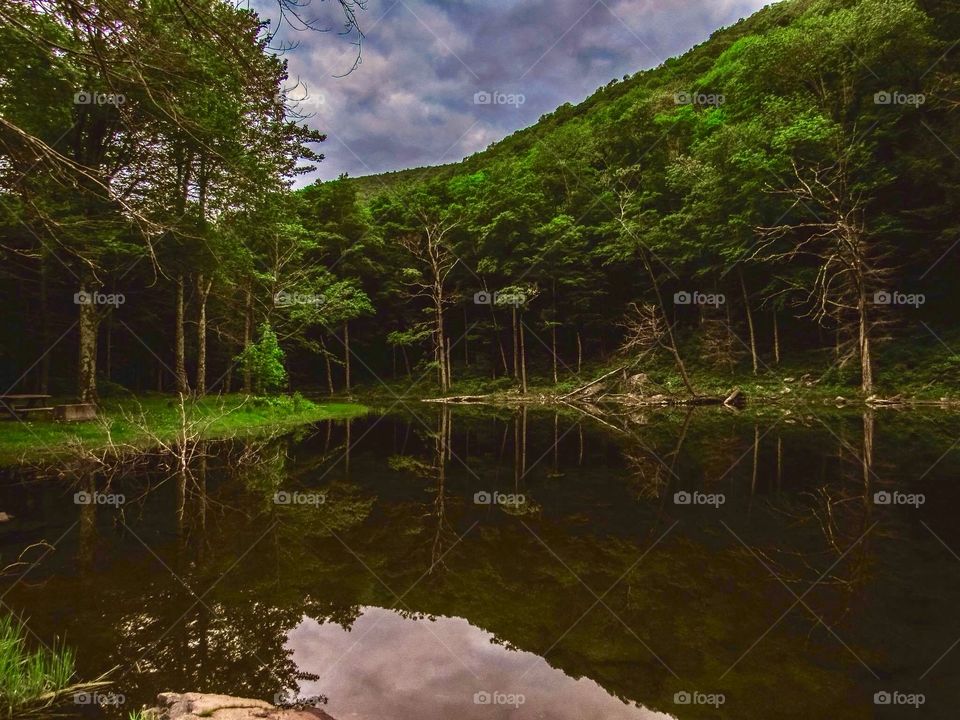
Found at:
[439, 668]
[799, 595]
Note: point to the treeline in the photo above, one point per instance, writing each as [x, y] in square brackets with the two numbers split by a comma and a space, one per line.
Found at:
[147, 151]
[787, 188]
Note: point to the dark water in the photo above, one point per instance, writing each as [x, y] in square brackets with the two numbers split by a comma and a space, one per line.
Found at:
[584, 589]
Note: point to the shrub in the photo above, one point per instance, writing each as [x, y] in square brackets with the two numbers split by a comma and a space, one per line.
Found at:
[264, 361]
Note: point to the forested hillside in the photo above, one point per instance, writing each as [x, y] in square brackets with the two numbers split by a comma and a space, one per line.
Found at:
[785, 193]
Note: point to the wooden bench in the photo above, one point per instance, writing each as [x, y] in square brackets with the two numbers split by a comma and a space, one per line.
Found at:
[20, 406]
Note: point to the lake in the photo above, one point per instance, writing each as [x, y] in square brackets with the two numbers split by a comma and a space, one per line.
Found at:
[478, 563]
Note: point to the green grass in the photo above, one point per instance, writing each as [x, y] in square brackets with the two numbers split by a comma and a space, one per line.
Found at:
[140, 422]
[32, 681]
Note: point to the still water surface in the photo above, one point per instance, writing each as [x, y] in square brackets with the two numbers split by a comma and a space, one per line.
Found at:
[480, 564]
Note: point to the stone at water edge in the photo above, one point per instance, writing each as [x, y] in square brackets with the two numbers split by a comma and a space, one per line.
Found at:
[195, 706]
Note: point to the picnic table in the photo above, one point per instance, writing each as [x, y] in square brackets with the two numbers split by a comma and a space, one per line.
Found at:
[17, 407]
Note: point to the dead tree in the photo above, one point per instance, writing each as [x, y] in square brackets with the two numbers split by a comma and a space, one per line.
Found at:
[430, 248]
[829, 227]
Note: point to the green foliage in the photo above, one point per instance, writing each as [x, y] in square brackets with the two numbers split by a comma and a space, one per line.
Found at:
[264, 361]
[689, 176]
[294, 403]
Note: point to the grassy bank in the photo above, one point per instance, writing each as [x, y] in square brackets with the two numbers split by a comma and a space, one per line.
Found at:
[905, 377]
[141, 422]
[34, 682]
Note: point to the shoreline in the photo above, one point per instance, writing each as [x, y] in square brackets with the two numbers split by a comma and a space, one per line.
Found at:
[148, 422]
[679, 401]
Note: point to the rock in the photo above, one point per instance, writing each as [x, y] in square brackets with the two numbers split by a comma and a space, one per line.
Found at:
[76, 412]
[5, 517]
[197, 706]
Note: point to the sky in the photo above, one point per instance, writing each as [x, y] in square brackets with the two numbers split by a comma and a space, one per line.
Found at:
[439, 80]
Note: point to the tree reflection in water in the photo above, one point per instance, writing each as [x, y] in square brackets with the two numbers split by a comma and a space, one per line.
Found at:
[799, 596]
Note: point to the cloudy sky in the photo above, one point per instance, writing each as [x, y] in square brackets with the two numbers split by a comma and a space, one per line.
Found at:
[442, 79]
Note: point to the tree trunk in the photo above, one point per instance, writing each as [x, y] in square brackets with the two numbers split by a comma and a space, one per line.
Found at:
[836, 338]
[89, 326]
[326, 358]
[579, 352]
[515, 341]
[776, 340]
[503, 352]
[746, 307]
[180, 361]
[247, 336]
[553, 328]
[441, 346]
[553, 343]
[523, 360]
[466, 326]
[866, 362]
[779, 462]
[44, 384]
[346, 356]
[203, 290]
[449, 364]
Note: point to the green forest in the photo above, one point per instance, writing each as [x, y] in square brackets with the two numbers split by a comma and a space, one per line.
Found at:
[645, 409]
[784, 195]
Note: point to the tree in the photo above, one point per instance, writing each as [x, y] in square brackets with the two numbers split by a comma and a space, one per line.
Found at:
[264, 361]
